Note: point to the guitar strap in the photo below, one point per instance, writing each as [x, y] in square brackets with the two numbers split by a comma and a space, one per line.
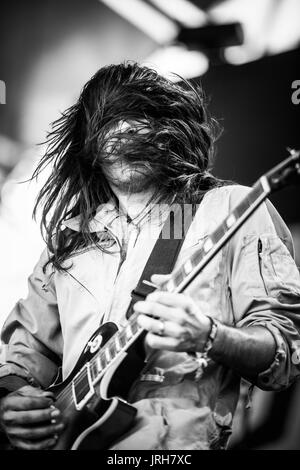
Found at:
[166, 249]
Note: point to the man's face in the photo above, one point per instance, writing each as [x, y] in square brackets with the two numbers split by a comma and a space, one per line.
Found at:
[129, 178]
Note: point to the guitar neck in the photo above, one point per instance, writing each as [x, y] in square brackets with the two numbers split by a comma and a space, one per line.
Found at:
[182, 277]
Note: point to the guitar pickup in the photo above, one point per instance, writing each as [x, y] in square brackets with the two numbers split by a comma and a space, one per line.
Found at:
[82, 387]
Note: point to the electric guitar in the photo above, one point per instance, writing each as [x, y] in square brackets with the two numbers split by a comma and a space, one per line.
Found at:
[93, 397]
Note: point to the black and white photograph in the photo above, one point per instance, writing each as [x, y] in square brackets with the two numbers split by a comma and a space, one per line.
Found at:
[149, 228]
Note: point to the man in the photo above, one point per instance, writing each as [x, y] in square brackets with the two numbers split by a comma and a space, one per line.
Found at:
[135, 141]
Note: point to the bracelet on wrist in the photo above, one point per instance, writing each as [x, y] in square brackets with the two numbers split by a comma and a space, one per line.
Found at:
[202, 357]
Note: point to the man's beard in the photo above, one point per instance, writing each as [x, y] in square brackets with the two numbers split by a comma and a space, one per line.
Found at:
[132, 181]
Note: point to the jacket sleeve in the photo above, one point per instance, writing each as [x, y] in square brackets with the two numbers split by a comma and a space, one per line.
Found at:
[265, 290]
[31, 336]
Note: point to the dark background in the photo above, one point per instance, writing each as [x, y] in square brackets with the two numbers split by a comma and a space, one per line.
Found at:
[253, 101]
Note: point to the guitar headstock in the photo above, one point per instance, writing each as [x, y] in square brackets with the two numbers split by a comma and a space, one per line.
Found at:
[286, 172]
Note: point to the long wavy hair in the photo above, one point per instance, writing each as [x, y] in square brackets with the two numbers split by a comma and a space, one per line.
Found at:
[176, 150]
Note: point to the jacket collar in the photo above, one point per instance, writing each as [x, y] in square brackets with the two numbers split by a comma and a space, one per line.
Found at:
[105, 215]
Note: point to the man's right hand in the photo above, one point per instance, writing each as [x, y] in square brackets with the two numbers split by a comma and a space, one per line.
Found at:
[29, 418]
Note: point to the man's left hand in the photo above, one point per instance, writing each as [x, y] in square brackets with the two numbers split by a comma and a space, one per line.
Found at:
[173, 321]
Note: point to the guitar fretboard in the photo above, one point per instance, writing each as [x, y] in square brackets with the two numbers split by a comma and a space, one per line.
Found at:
[183, 275]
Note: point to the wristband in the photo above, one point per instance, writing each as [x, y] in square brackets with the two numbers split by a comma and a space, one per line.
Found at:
[202, 357]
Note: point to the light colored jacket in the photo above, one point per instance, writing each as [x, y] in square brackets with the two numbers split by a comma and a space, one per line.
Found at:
[253, 280]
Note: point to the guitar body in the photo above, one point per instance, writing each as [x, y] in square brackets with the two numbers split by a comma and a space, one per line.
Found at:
[107, 415]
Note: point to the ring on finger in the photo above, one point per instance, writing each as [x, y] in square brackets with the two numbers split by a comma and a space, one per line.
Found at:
[161, 329]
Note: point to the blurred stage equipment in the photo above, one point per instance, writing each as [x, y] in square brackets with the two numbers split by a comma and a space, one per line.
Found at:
[212, 36]
[185, 36]
[232, 31]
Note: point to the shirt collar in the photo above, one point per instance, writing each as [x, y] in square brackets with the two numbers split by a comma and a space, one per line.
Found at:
[107, 217]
